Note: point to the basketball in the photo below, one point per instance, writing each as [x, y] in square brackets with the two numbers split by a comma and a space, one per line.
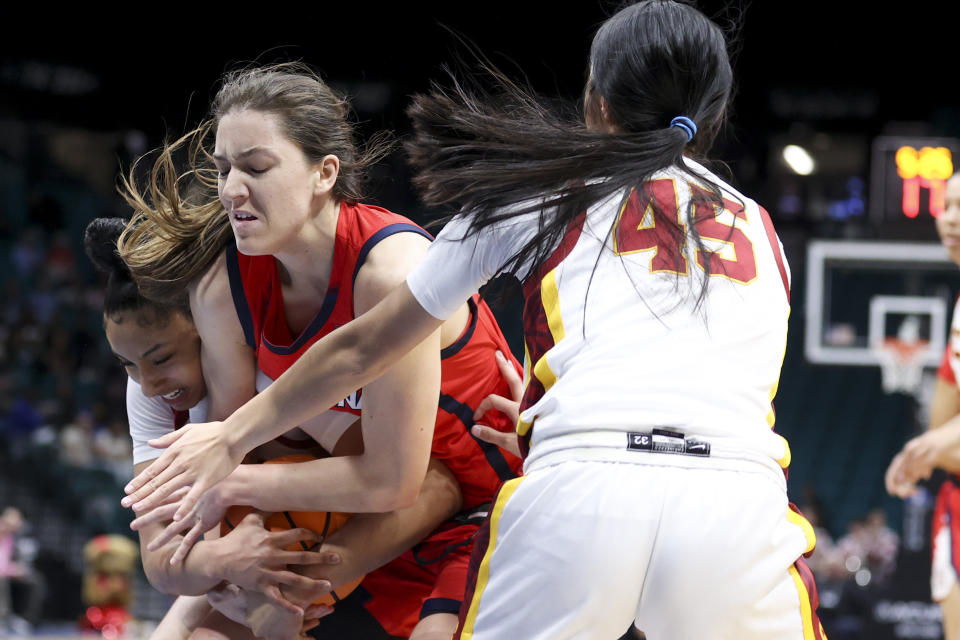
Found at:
[322, 522]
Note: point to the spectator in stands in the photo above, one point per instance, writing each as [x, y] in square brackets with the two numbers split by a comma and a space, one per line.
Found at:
[15, 567]
[76, 440]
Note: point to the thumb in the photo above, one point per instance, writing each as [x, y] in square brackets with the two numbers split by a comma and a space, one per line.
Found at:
[166, 440]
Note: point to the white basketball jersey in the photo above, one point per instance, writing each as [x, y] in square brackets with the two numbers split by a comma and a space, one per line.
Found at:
[617, 335]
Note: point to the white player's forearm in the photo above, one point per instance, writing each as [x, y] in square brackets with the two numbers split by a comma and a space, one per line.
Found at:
[202, 570]
[183, 617]
[352, 484]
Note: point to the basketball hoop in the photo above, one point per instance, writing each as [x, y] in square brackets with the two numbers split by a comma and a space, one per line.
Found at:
[901, 364]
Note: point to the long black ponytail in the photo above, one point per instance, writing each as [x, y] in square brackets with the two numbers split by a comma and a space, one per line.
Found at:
[500, 154]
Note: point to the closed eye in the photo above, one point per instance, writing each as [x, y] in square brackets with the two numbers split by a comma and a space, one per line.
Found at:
[162, 360]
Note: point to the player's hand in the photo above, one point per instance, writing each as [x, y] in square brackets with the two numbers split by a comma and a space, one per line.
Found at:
[896, 480]
[230, 600]
[207, 514]
[270, 622]
[511, 408]
[325, 574]
[919, 457]
[312, 615]
[233, 602]
[197, 456]
[256, 559]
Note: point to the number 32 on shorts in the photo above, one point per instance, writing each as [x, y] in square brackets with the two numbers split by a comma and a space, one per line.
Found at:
[641, 227]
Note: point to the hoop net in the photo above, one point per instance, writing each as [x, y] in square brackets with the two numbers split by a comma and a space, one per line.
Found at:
[901, 364]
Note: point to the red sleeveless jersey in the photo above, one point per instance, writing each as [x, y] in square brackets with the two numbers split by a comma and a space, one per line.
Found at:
[469, 371]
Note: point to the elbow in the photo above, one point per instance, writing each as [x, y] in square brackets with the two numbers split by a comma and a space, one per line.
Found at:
[362, 360]
[391, 492]
[159, 576]
[167, 578]
[393, 498]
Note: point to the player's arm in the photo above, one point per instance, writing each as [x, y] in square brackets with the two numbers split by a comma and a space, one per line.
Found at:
[184, 615]
[246, 556]
[941, 444]
[349, 358]
[938, 447]
[229, 367]
[399, 411]
[366, 542]
[369, 541]
[396, 344]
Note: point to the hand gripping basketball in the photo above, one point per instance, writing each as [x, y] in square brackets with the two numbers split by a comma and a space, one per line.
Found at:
[321, 523]
[197, 456]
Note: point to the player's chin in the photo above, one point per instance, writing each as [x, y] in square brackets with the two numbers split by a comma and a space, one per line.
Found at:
[188, 399]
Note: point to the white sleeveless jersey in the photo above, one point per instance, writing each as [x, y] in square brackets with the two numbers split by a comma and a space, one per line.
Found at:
[616, 338]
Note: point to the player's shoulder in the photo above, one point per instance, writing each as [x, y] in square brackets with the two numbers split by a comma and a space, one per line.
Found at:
[389, 261]
[390, 245]
[214, 285]
[727, 190]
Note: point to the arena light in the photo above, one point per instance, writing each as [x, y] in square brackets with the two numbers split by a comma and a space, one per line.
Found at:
[799, 160]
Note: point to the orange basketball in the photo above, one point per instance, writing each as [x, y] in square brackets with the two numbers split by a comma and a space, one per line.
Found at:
[322, 522]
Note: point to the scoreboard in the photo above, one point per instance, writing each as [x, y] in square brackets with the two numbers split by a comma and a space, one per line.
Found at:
[908, 181]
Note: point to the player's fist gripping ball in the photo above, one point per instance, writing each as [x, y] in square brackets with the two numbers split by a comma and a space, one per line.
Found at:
[323, 523]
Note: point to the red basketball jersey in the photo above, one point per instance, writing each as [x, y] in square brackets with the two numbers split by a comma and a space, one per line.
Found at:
[469, 371]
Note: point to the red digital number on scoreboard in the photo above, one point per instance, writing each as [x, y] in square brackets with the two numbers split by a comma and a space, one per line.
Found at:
[926, 168]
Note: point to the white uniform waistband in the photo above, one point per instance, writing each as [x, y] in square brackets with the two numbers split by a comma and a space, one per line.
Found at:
[623, 446]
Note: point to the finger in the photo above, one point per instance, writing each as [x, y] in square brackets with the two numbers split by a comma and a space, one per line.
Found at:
[187, 543]
[905, 490]
[253, 518]
[156, 490]
[273, 593]
[510, 374]
[166, 440]
[493, 436]
[297, 581]
[317, 611]
[190, 500]
[170, 532]
[307, 557]
[176, 496]
[493, 401]
[290, 536]
[148, 474]
[160, 514]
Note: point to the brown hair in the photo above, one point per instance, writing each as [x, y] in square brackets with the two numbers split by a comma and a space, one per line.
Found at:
[179, 227]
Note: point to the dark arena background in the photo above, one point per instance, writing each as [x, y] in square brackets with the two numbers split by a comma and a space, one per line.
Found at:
[845, 123]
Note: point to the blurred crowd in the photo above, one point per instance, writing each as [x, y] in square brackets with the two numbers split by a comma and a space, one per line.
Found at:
[18, 549]
[63, 387]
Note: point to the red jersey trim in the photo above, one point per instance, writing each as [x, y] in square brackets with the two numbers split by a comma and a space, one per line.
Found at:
[775, 245]
[567, 243]
[945, 372]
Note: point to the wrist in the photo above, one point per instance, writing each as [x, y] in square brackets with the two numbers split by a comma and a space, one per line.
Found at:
[242, 428]
[232, 490]
[216, 565]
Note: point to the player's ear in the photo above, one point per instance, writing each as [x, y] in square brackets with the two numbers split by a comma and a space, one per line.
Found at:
[325, 174]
